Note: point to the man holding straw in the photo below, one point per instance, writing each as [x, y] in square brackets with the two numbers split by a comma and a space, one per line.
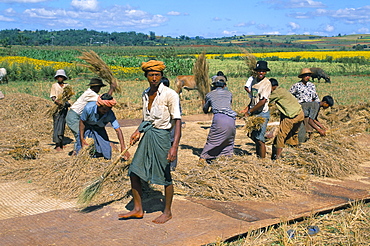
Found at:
[59, 117]
[90, 95]
[95, 116]
[258, 106]
[151, 162]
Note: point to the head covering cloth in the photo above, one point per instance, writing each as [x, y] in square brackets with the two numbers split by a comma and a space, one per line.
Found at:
[108, 103]
[153, 65]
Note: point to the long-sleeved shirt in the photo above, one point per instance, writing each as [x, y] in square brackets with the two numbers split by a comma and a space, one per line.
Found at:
[220, 101]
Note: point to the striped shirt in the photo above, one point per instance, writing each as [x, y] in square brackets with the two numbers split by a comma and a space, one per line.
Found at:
[220, 101]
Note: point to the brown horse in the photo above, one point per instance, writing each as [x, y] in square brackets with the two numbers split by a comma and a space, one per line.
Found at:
[185, 82]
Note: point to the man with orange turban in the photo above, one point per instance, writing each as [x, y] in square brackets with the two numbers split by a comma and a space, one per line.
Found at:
[95, 116]
[161, 112]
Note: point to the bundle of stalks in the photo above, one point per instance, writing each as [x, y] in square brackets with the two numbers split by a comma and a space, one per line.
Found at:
[334, 156]
[251, 62]
[25, 149]
[235, 179]
[253, 123]
[200, 72]
[100, 68]
[62, 98]
[95, 186]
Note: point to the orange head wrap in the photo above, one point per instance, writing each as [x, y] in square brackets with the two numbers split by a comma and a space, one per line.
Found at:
[109, 103]
[153, 65]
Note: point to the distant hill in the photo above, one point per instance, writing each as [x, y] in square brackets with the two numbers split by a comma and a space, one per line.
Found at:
[84, 37]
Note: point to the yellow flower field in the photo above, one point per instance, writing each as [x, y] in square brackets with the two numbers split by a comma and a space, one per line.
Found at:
[37, 63]
[59, 65]
[303, 54]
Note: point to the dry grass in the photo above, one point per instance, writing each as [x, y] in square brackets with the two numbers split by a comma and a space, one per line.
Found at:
[200, 72]
[344, 227]
[251, 62]
[253, 123]
[234, 179]
[62, 98]
[336, 155]
[100, 68]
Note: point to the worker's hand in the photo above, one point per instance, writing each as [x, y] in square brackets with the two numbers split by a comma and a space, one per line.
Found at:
[245, 112]
[57, 102]
[134, 137]
[83, 143]
[126, 156]
[172, 154]
[322, 132]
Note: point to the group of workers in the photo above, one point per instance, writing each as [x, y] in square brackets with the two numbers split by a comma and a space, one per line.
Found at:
[161, 123]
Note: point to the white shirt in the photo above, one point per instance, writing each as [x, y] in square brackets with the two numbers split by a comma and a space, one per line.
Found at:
[88, 96]
[165, 107]
[56, 90]
[248, 84]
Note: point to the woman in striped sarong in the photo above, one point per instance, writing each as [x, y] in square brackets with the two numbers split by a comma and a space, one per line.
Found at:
[220, 140]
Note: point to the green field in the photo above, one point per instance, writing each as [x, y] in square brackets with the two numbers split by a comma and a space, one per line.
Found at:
[350, 78]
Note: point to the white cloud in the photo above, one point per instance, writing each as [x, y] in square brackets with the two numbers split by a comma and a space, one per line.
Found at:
[229, 32]
[240, 24]
[175, 13]
[10, 12]
[243, 24]
[217, 19]
[117, 17]
[22, 1]
[294, 4]
[293, 25]
[329, 28]
[3, 18]
[86, 5]
[305, 4]
[299, 15]
[272, 33]
[363, 30]
[44, 13]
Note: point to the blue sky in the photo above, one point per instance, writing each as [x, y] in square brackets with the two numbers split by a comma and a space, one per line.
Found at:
[209, 19]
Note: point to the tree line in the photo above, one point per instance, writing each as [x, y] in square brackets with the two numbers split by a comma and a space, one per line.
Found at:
[84, 37]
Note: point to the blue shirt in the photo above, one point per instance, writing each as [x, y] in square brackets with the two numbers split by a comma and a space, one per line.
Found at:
[91, 117]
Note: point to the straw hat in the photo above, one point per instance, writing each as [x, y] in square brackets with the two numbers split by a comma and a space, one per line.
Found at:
[62, 73]
[96, 82]
[304, 71]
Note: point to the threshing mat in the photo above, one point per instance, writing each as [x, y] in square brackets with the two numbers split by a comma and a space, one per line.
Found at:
[30, 219]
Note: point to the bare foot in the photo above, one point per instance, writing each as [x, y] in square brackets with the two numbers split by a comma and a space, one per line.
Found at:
[163, 218]
[132, 215]
[58, 149]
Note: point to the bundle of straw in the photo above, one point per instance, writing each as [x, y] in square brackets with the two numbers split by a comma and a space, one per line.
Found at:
[95, 186]
[62, 98]
[253, 123]
[251, 62]
[200, 72]
[100, 68]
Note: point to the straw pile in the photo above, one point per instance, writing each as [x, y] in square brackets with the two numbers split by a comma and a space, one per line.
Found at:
[25, 149]
[337, 154]
[200, 72]
[237, 179]
[100, 68]
[62, 98]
